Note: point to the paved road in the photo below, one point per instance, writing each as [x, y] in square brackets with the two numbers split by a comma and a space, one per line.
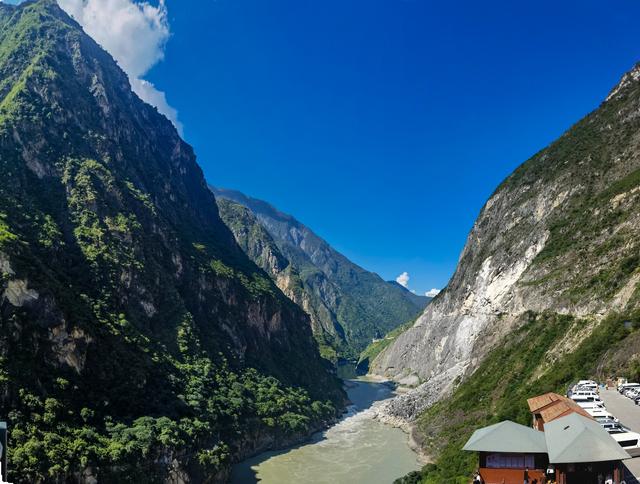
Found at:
[629, 414]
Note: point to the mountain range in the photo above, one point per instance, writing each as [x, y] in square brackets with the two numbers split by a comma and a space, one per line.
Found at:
[156, 329]
[349, 306]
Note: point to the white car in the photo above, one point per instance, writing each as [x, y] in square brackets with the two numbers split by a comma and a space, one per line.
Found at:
[586, 382]
[628, 386]
[598, 412]
[632, 393]
[627, 440]
[605, 420]
[591, 405]
[615, 428]
[585, 397]
[587, 385]
[583, 389]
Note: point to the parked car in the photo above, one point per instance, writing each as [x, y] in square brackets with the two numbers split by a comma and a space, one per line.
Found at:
[598, 412]
[628, 386]
[633, 393]
[592, 405]
[586, 382]
[585, 397]
[578, 388]
[604, 419]
[628, 441]
[615, 427]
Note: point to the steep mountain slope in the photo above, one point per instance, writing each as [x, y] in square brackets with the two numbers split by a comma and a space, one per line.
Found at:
[137, 339]
[258, 244]
[348, 305]
[557, 241]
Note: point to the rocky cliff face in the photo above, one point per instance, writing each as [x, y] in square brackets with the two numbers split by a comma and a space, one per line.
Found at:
[137, 339]
[560, 235]
[348, 306]
[258, 244]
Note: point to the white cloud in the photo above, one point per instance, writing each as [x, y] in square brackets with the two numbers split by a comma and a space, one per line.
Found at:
[403, 279]
[432, 292]
[135, 34]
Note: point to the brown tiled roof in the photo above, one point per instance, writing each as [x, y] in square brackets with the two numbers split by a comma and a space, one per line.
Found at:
[560, 409]
[551, 406]
[541, 401]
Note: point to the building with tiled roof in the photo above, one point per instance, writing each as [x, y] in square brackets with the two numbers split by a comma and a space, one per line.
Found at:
[550, 406]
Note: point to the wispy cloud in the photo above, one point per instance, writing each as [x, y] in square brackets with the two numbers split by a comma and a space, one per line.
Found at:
[432, 292]
[135, 34]
[403, 279]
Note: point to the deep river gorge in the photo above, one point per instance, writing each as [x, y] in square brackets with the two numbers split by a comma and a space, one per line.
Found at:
[356, 449]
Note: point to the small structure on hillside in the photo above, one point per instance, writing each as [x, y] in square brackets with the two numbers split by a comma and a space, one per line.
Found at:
[572, 450]
[550, 406]
[507, 450]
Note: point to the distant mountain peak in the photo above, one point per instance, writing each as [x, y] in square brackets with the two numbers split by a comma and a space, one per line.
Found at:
[349, 306]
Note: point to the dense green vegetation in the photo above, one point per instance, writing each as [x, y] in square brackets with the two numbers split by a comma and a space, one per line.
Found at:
[50, 439]
[522, 367]
[137, 340]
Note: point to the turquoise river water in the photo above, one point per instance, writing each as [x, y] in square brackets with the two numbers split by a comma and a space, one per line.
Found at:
[357, 449]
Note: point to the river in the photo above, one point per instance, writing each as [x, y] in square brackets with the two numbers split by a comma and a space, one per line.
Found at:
[357, 449]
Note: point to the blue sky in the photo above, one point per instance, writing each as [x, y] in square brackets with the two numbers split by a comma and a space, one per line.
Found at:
[384, 125]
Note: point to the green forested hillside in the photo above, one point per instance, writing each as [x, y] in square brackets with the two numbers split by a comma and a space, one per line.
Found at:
[137, 340]
[258, 244]
[349, 306]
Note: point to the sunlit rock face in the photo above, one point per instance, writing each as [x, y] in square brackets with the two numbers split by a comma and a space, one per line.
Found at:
[560, 234]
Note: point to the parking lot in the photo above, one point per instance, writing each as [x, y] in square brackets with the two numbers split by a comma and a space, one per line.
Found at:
[629, 414]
